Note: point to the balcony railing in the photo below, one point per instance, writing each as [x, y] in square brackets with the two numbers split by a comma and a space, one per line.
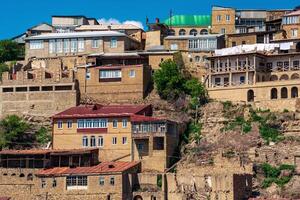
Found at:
[233, 69]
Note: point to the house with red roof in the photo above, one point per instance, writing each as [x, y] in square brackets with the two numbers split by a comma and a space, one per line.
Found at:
[120, 132]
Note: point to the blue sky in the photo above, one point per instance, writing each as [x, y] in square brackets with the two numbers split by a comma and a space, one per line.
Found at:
[18, 15]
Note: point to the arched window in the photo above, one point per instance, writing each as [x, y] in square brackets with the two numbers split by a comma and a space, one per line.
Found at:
[284, 77]
[197, 58]
[257, 78]
[204, 58]
[273, 78]
[284, 93]
[250, 96]
[203, 32]
[138, 197]
[294, 92]
[295, 76]
[193, 32]
[182, 32]
[29, 177]
[171, 32]
[22, 175]
[273, 93]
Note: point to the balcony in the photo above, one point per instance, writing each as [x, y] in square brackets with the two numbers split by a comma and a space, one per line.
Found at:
[145, 130]
[232, 69]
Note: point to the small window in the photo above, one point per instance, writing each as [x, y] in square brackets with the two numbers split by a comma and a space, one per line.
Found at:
[88, 74]
[95, 43]
[114, 140]
[85, 141]
[223, 30]
[140, 147]
[124, 140]
[115, 123]
[243, 42]
[124, 123]
[93, 141]
[59, 124]
[70, 123]
[228, 18]
[113, 43]
[233, 44]
[112, 181]
[132, 73]
[174, 46]
[101, 180]
[242, 79]
[182, 32]
[54, 183]
[219, 18]
[43, 183]
[197, 58]
[100, 141]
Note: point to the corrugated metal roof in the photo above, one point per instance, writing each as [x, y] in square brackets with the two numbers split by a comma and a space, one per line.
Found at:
[102, 168]
[84, 34]
[184, 37]
[102, 27]
[189, 20]
[45, 151]
[97, 110]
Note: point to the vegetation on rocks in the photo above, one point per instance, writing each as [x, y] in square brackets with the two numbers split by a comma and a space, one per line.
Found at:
[16, 133]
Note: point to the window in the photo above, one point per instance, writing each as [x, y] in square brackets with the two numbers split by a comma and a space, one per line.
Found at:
[124, 140]
[59, 124]
[74, 45]
[101, 180]
[112, 180]
[54, 183]
[103, 123]
[93, 141]
[111, 74]
[66, 45]
[197, 58]
[124, 123]
[85, 141]
[114, 140]
[223, 30]
[59, 46]
[113, 43]
[88, 123]
[81, 45]
[219, 18]
[36, 44]
[92, 123]
[132, 73]
[242, 79]
[95, 43]
[273, 93]
[182, 32]
[174, 47]
[115, 123]
[193, 32]
[217, 81]
[52, 47]
[43, 183]
[171, 32]
[76, 181]
[294, 32]
[233, 44]
[80, 123]
[69, 123]
[243, 42]
[228, 18]
[100, 141]
[88, 74]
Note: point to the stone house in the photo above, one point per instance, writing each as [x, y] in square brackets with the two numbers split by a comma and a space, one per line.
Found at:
[120, 132]
[290, 24]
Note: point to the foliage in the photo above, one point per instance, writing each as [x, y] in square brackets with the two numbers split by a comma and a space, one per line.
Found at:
[196, 90]
[227, 105]
[269, 134]
[168, 80]
[159, 180]
[239, 122]
[13, 130]
[43, 136]
[272, 174]
[3, 68]
[10, 50]
[195, 132]
[285, 110]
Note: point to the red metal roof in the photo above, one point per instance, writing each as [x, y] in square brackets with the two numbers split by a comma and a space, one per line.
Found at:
[45, 151]
[142, 118]
[97, 110]
[102, 168]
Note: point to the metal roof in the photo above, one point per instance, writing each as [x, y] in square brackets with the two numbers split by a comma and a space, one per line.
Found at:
[85, 34]
[184, 37]
[189, 20]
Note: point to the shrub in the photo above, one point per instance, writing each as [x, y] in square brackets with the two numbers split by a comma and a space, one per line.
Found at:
[43, 136]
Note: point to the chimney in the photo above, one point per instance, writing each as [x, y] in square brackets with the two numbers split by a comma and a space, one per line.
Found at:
[109, 27]
[157, 20]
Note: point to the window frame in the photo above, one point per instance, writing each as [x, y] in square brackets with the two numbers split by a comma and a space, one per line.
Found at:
[114, 140]
[59, 124]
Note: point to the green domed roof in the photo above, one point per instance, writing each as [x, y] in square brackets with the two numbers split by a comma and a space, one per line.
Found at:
[189, 20]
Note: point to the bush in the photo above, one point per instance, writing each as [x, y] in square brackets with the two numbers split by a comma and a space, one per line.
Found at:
[43, 136]
[3, 68]
[268, 133]
[10, 50]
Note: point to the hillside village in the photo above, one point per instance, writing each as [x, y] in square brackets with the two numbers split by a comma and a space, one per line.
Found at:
[194, 107]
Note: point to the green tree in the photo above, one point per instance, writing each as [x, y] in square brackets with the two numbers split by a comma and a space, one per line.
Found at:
[42, 136]
[13, 131]
[168, 80]
[10, 50]
[196, 90]
[3, 68]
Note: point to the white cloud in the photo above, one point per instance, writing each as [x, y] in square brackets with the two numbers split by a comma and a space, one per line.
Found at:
[115, 21]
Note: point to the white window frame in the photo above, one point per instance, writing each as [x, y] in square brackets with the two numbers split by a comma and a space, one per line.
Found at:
[85, 141]
[227, 18]
[115, 121]
[74, 45]
[81, 45]
[112, 181]
[132, 73]
[93, 141]
[114, 140]
[59, 46]
[219, 18]
[95, 43]
[110, 74]
[66, 45]
[36, 44]
[113, 42]
[294, 32]
[100, 141]
[124, 123]
[52, 46]
[124, 140]
[59, 124]
[101, 180]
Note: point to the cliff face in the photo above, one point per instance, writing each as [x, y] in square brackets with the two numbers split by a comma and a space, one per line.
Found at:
[247, 141]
